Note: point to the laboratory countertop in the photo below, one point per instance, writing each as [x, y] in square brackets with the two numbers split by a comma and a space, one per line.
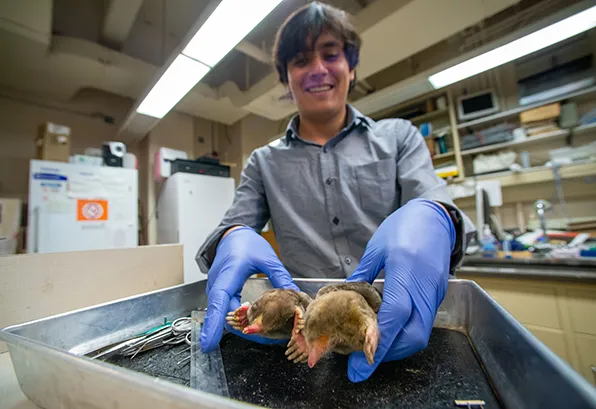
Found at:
[544, 268]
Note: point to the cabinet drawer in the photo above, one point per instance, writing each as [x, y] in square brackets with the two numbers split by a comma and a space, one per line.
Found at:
[586, 349]
[529, 305]
[554, 339]
[582, 306]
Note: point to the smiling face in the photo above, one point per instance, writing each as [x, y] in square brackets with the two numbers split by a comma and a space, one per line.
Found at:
[319, 79]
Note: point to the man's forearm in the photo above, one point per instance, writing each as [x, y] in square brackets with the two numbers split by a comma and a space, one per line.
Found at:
[458, 221]
[444, 208]
[230, 230]
[206, 253]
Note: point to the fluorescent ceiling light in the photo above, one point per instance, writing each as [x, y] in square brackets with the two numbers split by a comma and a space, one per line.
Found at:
[231, 21]
[540, 39]
[174, 84]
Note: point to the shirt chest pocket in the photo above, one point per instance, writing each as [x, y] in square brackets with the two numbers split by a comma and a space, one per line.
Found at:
[376, 183]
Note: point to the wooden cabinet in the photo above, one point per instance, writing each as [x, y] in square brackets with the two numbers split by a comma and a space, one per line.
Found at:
[530, 305]
[582, 306]
[553, 338]
[586, 349]
[561, 314]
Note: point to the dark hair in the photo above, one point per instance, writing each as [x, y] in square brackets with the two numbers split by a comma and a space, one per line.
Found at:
[309, 22]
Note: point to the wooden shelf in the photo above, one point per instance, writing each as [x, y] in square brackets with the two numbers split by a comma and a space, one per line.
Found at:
[539, 174]
[444, 155]
[582, 129]
[562, 133]
[532, 139]
[518, 110]
[390, 111]
[430, 115]
[458, 179]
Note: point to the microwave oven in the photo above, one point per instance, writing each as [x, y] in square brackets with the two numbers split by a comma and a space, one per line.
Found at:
[476, 105]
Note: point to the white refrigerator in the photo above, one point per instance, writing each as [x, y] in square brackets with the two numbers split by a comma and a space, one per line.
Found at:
[81, 207]
[190, 207]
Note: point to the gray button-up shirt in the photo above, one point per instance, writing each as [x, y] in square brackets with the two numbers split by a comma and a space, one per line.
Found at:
[325, 202]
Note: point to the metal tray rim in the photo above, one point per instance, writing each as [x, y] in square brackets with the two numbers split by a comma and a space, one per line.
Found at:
[16, 342]
[559, 364]
[177, 392]
[15, 327]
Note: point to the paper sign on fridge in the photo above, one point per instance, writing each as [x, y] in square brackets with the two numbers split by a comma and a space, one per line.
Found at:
[92, 210]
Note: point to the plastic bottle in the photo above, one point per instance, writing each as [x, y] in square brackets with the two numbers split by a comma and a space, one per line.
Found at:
[507, 245]
[442, 145]
[489, 249]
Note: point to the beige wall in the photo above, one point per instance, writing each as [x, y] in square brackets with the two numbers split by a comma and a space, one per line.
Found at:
[230, 149]
[20, 118]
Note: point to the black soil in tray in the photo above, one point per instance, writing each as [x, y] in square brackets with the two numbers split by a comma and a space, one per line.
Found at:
[164, 363]
[260, 374]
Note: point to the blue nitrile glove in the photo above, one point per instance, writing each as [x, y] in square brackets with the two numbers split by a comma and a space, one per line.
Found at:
[414, 246]
[242, 253]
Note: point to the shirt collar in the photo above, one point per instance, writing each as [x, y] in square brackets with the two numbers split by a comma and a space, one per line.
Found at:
[358, 117]
[355, 118]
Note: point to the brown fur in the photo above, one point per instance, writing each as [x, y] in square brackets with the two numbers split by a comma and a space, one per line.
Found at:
[342, 319]
[277, 308]
[342, 315]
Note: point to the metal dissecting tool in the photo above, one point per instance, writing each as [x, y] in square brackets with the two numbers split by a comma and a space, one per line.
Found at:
[475, 403]
[172, 333]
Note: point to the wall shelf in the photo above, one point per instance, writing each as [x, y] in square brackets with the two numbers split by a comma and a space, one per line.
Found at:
[455, 180]
[539, 174]
[554, 135]
[527, 177]
[429, 115]
[518, 110]
[444, 155]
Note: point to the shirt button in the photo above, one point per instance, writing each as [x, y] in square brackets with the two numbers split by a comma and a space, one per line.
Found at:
[328, 181]
[335, 221]
[348, 260]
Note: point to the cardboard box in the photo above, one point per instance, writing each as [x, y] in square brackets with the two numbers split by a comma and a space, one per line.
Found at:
[10, 221]
[542, 113]
[53, 142]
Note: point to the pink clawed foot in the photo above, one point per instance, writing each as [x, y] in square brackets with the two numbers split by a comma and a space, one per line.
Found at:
[238, 318]
[297, 349]
[371, 340]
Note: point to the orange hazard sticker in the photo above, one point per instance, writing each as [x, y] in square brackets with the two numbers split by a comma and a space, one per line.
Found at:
[92, 210]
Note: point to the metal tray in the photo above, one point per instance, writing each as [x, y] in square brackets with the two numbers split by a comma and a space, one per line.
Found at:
[48, 354]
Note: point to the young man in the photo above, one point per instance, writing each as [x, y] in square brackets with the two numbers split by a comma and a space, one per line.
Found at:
[347, 198]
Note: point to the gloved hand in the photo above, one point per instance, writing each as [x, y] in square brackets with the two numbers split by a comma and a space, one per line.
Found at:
[414, 246]
[240, 254]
